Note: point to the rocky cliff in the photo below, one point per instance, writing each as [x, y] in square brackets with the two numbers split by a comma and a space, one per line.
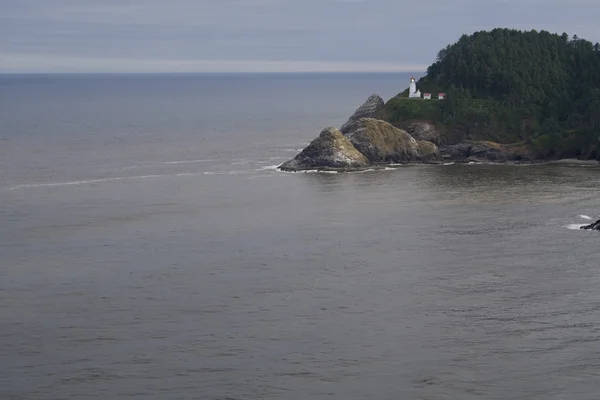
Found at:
[424, 130]
[330, 150]
[372, 106]
[381, 142]
[363, 141]
[470, 150]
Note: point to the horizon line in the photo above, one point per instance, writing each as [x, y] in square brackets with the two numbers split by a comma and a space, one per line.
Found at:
[58, 63]
[203, 72]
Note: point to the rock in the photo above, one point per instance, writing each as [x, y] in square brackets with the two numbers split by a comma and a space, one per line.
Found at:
[330, 150]
[488, 151]
[373, 105]
[456, 152]
[381, 142]
[595, 226]
[470, 150]
[423, 130]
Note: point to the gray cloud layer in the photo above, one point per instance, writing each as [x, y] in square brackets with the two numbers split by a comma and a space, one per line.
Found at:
[200, 35]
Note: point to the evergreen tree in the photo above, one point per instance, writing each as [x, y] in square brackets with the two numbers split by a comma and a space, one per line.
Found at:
[550, 79]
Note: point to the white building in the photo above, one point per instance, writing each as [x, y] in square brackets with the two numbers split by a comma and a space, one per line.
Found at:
[412, 91]
[441, 96]
[427, 96]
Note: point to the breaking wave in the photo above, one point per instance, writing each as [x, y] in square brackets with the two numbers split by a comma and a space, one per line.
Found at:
[268, 168]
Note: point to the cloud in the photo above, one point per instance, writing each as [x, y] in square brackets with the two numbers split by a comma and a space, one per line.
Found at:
[53, 63]
[331, 33]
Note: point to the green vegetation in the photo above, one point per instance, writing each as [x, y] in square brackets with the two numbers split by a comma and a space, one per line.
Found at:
[511, 86]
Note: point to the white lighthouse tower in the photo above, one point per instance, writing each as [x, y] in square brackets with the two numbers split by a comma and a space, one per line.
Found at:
[412, 91]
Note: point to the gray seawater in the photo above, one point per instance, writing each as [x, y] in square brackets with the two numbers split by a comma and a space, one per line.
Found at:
[149, 249]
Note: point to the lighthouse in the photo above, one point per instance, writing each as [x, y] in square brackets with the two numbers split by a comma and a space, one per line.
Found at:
[412, 91]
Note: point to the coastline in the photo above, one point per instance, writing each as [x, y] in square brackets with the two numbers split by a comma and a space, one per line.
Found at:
[386, 167]
[573, 161]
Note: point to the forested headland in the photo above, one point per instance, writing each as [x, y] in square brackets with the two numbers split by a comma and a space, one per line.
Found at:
[508, 86]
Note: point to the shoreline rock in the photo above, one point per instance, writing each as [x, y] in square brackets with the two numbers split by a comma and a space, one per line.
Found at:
[330, 150]
[368, 142]
[381, 142]
[573, 161]
[595, 226]
[471, 150]
[368, 109]
[424, 130]
[365, 141]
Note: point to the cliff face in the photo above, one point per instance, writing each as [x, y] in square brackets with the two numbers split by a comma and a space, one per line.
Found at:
[372, 106]
[471, 150]
[330, 150]
[363, 141]
[381, 142]
[424, 130]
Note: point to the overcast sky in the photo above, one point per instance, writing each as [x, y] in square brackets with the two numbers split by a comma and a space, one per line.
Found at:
[261, 35]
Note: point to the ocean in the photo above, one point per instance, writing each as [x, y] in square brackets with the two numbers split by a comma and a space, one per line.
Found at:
[150, 249]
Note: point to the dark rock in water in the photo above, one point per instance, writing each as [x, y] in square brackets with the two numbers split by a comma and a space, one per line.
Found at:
[423, 130]
[485, 151]
[330, 150]
[381, 142]
[373, 105]
[595, 226]
[457, 152]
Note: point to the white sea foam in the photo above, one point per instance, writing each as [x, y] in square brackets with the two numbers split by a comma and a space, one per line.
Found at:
[187, 161]
[362, 171]
[575, 227]
[188, 173]
[585, 217]
[310, 171]
[268, 168]
[449, 163]
[103, 180]
[83, 182]
[316, 171]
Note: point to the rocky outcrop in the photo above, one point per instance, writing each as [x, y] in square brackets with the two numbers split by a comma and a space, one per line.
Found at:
[331, 150]
[423, 130]
[372, 106]
[595, 226]
[381, 142]
[486, 151]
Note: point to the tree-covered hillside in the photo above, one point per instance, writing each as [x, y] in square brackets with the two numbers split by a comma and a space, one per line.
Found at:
[509, 85]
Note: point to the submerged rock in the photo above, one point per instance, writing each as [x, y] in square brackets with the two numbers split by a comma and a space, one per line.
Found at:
[372, 106]
[330, 150]
[595, 226]
[381, 142]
